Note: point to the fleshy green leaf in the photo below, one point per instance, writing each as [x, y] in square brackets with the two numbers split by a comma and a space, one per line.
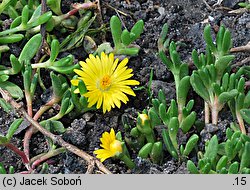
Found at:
[188, 122]
[30, 48]
[208, 38]
[212, 148]
[183, 88]
[245, 113]
[13, 127]
[14, 90]
[116, 30]
[157, 152]
[227, 96]
[168, 143]
[219, 37]
[145, 150]
[173, 127]
[137, 29]
[192, 142]
[198, 86]
[245, 159]
[125, 37]
[192, 168]
[226, 43]
[221, 163]
[234, 168]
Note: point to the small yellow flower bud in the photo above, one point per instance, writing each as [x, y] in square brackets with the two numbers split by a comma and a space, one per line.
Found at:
[143, 118]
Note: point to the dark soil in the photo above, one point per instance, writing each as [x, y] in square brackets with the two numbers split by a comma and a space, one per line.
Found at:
[186, 20]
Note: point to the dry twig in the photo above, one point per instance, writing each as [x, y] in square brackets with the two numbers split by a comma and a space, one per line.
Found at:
[207, 5]
[238, 11]
[243, 62]
[55, 138]
[116, 10]
[241, 48]
[99, 18]
[44, 46]
[128, 2]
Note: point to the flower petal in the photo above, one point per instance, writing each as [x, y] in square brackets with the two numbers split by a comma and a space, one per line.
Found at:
[112, 134]
[75, 82]
[77, 91]
[79, 72]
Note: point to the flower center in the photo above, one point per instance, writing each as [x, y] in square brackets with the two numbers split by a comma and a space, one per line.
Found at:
[116, 147]
[105, 82]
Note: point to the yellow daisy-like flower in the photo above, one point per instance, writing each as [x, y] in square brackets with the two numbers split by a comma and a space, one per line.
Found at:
[110, 145]
[106, 81]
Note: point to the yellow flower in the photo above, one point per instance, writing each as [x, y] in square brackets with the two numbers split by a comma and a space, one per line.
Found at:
[143, 118]
[110, 145]
[106, 81]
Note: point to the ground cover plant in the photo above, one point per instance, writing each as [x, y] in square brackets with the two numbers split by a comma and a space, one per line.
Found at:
[93, 87]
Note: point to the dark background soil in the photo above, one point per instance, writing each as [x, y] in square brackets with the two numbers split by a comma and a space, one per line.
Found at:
[186, 20]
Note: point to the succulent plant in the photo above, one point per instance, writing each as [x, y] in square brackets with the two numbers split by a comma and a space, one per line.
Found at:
[229, 157]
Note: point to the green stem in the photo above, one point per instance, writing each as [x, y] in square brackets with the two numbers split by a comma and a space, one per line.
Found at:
[18, 152]
[31, 130]
[5, 72]
[127, 161]
[56, 117]
[177, 82]
[80, 112]
[215, 114]
[12, 30]
[33, 159]
[126, 51]
[40, 80]
[207, 113]
[4, 5]
[150, 138]
[48, 155]
[26, 141]
[29, 103]
[39, 74]
[45, 64]
[215, 111]
[45, 107]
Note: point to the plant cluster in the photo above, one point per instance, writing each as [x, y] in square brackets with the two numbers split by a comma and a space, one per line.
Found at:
[43, 58]
[214, 81]
[229, 157]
